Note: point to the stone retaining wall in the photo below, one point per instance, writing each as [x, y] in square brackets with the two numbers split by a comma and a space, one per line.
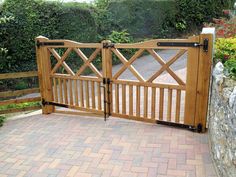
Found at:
[222, 123]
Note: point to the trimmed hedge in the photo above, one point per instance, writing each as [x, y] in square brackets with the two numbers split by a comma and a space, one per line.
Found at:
[37, 17]
[141, 18]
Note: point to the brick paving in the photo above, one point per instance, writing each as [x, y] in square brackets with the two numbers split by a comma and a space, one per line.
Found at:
[66, 146]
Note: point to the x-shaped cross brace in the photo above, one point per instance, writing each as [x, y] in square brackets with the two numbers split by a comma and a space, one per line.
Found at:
[166, 66]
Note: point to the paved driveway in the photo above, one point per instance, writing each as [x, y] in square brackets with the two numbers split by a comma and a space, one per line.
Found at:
[59, 145]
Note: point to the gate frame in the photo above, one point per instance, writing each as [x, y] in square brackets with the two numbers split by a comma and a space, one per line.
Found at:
[201, 82]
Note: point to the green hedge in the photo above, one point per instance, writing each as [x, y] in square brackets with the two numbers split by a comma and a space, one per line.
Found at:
[37, 17]
[141, 18]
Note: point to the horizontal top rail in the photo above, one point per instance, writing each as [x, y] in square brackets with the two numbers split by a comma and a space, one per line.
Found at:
[18, 75]
[155, 44]
[66, 44]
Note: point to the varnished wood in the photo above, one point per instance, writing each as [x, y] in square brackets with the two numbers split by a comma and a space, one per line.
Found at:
[145, 103]
[204, 75]
[123, 99]
[18, 75]
[14, 110]
[161, 104]
[99, 96]
[55, 90]
[117, 103]
[65, 91]
[87, 94]
[178, 104]
[131, 100]
[20, 100]
[76, 93]
[79, 113]
[58, 58]
[191, 83]
[93, 95]
[18, 92]
[169, 107]
[138, 101]
[61, 99]
[153, 106]
[81, 93]
[71, 92]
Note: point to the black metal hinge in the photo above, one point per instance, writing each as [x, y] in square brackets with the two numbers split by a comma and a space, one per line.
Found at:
[39, 44]
[185, 44]
[108, 45]
[44, 103]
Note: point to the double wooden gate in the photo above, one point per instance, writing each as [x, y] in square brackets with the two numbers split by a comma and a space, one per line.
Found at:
[102, 90]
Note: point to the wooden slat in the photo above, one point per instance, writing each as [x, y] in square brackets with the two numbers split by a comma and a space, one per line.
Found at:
[55, 90]
[65, 91]
[60, 91]
[123, 99]
[87, 94]
[93, 95]
[76, 93]
[145, 102]
[20, 100]
[18, 92]
[131, 100]
[20, 110]
[153, 106]
[138, 101]
[161, 104]
[18, 75]
[169, 107]
[71, 92]
[82, 93]
[99, 96]
[178, 103]
[117, 110]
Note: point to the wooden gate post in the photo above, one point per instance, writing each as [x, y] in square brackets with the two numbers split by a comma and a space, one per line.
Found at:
[203, 83]
[107, 71]
[44, 69]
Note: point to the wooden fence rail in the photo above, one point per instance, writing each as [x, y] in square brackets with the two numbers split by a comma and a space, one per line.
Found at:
[18, 93]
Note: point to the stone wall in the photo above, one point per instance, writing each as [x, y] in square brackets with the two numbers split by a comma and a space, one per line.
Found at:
[222, 123]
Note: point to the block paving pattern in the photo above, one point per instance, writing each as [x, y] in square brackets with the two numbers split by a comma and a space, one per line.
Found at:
[67, 146]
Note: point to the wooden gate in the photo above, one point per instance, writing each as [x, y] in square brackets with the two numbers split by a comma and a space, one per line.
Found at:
[183, 103]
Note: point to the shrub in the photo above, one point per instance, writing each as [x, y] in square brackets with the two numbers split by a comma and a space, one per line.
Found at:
[195, 12]
[2, 119]
[226, 53]
[140, 18]
[37, 17]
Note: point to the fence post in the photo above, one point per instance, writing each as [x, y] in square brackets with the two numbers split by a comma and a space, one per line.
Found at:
[204, 75]
[44, 69]
[107, 72]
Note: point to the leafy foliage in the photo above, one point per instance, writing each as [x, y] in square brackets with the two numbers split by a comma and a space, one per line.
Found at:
[195, 12]
[37, 17]
[2, 119]
[226, 53]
